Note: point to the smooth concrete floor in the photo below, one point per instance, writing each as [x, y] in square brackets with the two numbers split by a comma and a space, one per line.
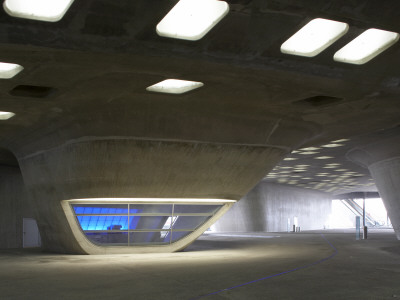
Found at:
[365, 269]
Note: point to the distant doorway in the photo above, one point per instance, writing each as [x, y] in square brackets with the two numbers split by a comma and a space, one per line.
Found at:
[31, 235]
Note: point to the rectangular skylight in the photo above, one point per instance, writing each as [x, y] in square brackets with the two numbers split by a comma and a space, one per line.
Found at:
[174, 86]
[8, 71]
[42, 10]
[366, 46]
[5, 115]
[192, 19]
[314, 37]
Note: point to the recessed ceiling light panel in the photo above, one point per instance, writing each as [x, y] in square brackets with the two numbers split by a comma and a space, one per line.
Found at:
[5, 115]
[8, 71]
[192, 19]
[366, 46]
[310, 149]
[174, 86]
[314, 37]
[42, 10]
[332, 145]
[308, 152]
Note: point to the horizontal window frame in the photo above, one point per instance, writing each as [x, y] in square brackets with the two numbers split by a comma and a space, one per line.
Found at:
[149, 215]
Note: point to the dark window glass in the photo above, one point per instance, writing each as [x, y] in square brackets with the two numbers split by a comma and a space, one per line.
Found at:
[193, 222]
[150, 208]
[144, 222]
[159, 237]
[108, 238]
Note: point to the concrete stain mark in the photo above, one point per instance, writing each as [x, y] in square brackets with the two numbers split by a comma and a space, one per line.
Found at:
[276, 125]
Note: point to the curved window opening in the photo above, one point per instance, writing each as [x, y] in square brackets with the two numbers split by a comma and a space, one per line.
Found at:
[130, 224]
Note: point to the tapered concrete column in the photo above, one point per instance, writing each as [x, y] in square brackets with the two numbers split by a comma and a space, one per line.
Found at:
[134, 168]
[383, 161]
[387, 178]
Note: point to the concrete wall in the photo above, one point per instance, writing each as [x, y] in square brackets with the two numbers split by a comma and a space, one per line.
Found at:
[14, 206]
[268, 206]
[134, 168]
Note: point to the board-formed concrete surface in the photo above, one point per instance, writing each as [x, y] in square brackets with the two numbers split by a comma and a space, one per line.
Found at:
[365, 269]
[85, 125]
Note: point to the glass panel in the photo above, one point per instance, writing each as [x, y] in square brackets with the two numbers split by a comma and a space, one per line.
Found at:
[177, 235]
[114, 238]
[141, 222]
[103, 222]
[159, 237]
[189, 222]
[100, 208]
[184, 208]
[170, 222]
[150, 208]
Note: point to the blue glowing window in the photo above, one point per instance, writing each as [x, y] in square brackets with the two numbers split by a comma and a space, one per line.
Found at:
[95, 209]
[103, 222]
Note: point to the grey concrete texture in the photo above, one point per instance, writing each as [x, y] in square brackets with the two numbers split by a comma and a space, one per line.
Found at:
[103, 54]
[99, 59]
[105, 96]
[387, 177]
[267, 207]
[365, 269]
[383, 161]
[386, 145]
[15, 205]
[136, 169]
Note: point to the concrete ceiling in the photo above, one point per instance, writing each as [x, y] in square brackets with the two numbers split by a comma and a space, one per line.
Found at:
[323, 168]
[86, 75]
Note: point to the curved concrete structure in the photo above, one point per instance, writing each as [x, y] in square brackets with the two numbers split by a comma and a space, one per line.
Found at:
[86, 125]
[89, 247]
[383, 161]
[126, 167]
